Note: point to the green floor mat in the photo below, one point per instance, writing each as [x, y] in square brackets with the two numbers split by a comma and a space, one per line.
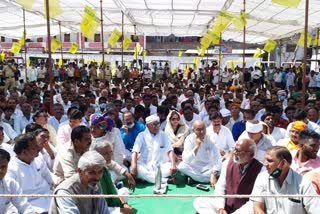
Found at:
[165, 205]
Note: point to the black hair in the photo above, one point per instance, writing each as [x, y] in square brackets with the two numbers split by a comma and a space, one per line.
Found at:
[31, 127]
[300, 114]
[267, 114]
[37, 114]
[4, 155]
[306, 135]
[75, 114]
[281, 153]
[78, 131]
[22, 142]
[215, 115]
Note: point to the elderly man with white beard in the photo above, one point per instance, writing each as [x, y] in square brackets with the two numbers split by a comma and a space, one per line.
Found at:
[241, 171]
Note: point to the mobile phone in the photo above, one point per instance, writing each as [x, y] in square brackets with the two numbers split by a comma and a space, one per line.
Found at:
[202, 187]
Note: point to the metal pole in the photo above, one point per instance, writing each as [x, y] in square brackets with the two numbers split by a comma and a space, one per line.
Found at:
[305, 53]
[317, 44]
[122, 23]
[280, 45]
[244, 45]
[49, 57]
[102, 43]
[220, 39]
[25, 45]
[60, 36]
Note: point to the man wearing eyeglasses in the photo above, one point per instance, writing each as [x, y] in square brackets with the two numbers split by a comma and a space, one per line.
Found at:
[151, 149]
[241, 171]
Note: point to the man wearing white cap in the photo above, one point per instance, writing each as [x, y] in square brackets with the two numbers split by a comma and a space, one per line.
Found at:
[153, 148]
[254, 131]
[226, 115]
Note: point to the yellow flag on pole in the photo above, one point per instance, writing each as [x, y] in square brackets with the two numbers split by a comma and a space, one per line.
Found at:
[144, 53]
[89, 23]
[115, 36]
[28, 62]
[108, 50]
[240, 22]
[232, 65]
[73, 49]
[201, 51]
[2, 56]
[270, 45]
[259, 65]
[287, 3]
[27, 4]
[15, 48]
[55, 44]
[54, 8]
[180, 53]
[196, 61]
[316, 40]
[21, 41]
[206, 41]
[258, 53]
[128, 64]
[222, 21]
[173, 70]
[60, 63]
[126, 42]
[188, 68]
[301, 40]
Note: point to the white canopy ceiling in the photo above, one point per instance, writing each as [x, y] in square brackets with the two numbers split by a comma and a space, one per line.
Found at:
[265, 20]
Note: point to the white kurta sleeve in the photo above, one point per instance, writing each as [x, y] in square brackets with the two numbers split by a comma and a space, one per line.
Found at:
[188, 154]
[138, 142]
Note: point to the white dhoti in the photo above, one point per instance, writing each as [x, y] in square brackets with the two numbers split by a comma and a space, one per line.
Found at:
[148, 173]
[196, 172]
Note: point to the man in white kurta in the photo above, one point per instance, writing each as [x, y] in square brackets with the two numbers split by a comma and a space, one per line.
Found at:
[32, 176]
[220, 135]
[200, 158]
[153, 148]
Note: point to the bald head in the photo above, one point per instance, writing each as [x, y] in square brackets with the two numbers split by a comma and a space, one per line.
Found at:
[199, 128]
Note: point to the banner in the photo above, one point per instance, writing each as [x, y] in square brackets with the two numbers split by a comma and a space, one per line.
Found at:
[126, 42]
[270, 45]
[55, 44]
[15, 48]
[54, 8]
[27, 4]
[301, 40]
[73, 49]
[89, 23]
[287, 3]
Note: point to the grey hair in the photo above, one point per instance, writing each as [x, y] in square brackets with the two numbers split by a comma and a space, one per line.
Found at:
[100, 144]
[90, 159]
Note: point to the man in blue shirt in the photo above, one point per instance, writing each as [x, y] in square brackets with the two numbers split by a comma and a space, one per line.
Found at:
[129, 131]
[240, 126]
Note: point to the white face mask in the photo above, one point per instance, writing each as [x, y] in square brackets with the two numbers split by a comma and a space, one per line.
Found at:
[130, 126]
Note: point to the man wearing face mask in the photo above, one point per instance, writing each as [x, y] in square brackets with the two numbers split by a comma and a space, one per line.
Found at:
[129, 132]
[280, 179]
[102, 105]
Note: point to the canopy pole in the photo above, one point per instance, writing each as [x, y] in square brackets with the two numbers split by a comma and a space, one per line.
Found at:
[122, 28]
[220, 39]
[60, 36]
[280, 45]
[305, 53]
[49, 57]
[244, 45]
[102, 44]
[317, 44]
[25, 45]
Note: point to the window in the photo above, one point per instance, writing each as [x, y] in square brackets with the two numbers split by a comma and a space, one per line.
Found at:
[97, 37]
[67, 37]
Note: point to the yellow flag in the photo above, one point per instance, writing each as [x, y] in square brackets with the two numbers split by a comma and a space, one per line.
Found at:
[222, 21]
[2, 56]
[89, 23]
[108, 50]
[316, 40]
[26, 3]
[126, 42]
[206, 41]
[54, 8]
[15, 48]
[287, 3]
[144, 53]
[128, 64]
[173, 70]
[188, 68]
[196, 61]
[232, 65]
[270, 45]
[258, 53]
[115, 36]
[301, 40]
[60, 62]
[28, 62]
[73, 49]
[55, 44]
[214, 36]
[240, 22]
[21, 41]
[180, 53]
[220, 57]
[201, 51]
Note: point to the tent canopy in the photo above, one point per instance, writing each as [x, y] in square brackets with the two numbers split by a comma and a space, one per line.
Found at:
[265, 20]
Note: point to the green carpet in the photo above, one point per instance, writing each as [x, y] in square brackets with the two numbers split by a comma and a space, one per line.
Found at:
[165, 205]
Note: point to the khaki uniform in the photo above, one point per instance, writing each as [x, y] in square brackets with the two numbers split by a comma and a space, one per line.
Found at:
[8, 73]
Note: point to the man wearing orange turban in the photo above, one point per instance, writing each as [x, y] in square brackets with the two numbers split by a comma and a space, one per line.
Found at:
[292, 143]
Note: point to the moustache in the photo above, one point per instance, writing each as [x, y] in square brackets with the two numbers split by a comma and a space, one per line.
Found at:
[93, 181]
